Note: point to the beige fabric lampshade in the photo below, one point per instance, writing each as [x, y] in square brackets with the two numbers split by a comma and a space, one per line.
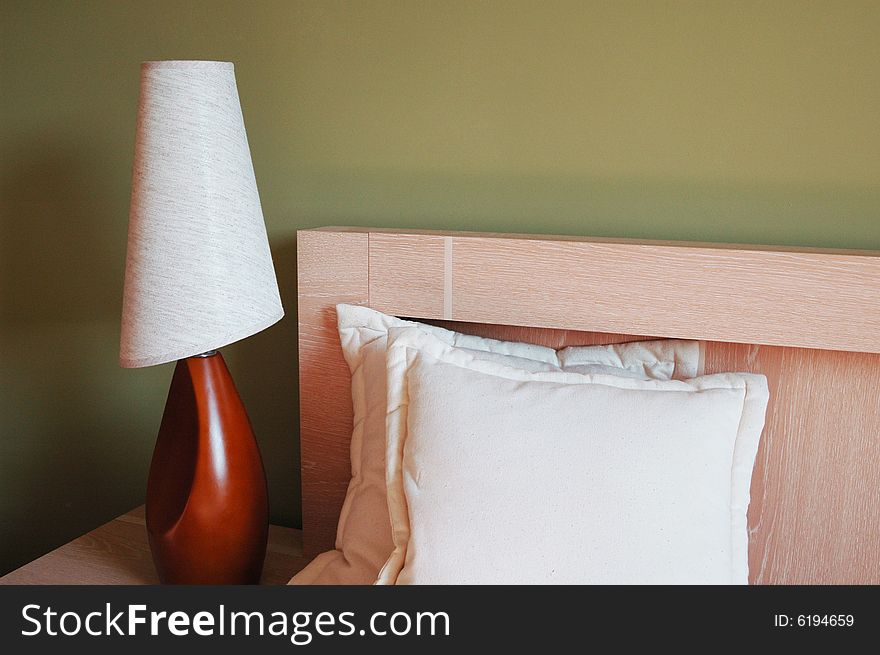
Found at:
[199, 273]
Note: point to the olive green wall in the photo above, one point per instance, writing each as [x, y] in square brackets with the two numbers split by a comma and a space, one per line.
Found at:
[727, 121]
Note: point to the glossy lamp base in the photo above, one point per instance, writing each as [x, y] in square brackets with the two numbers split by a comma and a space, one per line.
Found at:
[207, 507]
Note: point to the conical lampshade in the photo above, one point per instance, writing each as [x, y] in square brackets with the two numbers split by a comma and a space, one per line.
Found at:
[199, 273]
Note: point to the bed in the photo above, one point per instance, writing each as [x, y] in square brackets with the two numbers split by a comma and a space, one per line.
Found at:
[807, 319]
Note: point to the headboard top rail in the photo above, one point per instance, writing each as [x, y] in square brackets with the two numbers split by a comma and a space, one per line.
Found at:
[800, 297]
[467, 234]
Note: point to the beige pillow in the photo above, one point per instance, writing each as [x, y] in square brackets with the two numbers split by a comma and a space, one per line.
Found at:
[499, 475]
[363, 540]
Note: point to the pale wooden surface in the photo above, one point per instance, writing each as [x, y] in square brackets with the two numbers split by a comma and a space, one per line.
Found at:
[421, 268]
[815, 513]
[118, 553]
[378, 231]
[331, 268]
[815, 510]
[788, 298]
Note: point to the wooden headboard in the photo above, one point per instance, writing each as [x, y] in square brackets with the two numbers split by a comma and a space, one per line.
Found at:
[808, 319]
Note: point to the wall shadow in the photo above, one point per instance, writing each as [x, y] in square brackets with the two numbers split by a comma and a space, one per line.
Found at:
[265, 370]
[73, 433]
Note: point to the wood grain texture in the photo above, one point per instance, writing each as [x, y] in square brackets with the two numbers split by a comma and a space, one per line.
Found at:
[381, 231]
[815, 512]
[416, 280]
[784, 297]
[118, 553]
[332, 268]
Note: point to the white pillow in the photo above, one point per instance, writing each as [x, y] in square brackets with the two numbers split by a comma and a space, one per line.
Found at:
[363, 539]
[499, 475]
[662, 359]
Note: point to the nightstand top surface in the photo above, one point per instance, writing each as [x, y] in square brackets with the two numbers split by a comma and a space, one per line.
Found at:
[118, 553]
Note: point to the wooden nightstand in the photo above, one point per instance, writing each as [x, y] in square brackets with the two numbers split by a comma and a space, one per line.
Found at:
[118, 553]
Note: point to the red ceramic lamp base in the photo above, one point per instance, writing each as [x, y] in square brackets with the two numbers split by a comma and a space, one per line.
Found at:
[207, 507]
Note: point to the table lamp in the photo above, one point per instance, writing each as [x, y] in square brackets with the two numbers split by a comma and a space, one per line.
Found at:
[198, 276]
